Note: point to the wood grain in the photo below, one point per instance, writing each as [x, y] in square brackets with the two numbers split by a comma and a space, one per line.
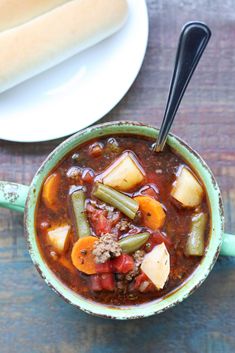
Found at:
[32, 318]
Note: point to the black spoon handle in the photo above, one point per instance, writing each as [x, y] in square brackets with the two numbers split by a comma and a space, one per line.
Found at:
[192, 43]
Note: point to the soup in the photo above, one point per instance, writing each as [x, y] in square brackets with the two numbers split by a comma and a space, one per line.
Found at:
[120, 224]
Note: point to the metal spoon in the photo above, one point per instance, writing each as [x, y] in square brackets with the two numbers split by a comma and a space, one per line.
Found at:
[192, 43]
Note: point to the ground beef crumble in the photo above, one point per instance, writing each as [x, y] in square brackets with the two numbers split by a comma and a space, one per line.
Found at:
[101, 206]
[106, 247]
[123, 225]
[138, 257]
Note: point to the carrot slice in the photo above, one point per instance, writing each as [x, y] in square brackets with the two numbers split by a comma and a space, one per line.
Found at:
[82, 257]
[50, 191]
[152, 212]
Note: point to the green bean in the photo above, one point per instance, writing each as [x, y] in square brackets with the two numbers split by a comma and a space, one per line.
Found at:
[195, 243]
[132, 243]
[78, 203]
[124, 203]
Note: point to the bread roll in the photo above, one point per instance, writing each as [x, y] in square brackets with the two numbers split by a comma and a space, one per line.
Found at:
[49, 39]
[16, 12]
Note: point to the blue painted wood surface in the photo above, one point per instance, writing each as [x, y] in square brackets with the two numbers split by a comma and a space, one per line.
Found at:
[35, 320]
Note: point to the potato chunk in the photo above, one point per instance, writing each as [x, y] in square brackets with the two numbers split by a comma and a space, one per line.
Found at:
[187, 189]
[59, 238]
[156, 265]
[124, 174]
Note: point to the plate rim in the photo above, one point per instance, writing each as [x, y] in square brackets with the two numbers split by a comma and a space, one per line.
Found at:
[107, 110]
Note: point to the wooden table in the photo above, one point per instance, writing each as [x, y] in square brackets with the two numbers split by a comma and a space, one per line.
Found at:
[35, 320]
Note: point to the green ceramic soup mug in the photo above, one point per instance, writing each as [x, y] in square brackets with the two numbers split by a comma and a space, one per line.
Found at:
[24, 199]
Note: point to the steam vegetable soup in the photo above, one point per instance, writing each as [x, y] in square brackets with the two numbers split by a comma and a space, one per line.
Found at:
[121, 224]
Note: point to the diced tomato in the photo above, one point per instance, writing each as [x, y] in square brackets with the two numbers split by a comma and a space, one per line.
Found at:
[107, 281]
[101, 282]
[156, 239]
[98, 219]
[88, 176]
[95, 283]
[139, 279]
[104, 268]
[143, 278]
[123, 263]
[151, 288]
[103, 225]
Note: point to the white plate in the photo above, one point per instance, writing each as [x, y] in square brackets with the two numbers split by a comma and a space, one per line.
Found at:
[81, 90]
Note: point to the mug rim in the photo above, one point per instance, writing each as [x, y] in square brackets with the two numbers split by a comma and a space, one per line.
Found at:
[146, 309]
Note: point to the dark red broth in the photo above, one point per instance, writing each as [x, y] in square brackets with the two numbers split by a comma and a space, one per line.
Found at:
[160, 169]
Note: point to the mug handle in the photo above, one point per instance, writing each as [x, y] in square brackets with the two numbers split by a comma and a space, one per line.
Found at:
[228, 245]
[13, 196]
